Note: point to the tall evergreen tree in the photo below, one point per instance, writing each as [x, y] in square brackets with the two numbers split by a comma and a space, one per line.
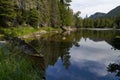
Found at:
[117, 21]
[77, 20]
[33, 18]
[54, 13]
[66, 14]
[7, 13]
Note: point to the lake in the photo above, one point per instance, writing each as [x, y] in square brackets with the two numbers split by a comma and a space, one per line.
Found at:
[80, 55]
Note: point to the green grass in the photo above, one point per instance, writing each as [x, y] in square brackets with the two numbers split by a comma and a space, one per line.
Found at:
[117, 36]
[20, 31]
[50, 29]
[14, 66]
[17, 31]
[47, 29]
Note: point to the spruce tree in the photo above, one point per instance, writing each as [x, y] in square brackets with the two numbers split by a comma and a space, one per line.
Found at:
[66, 13]
[33, 18]
[54, 13]
[7, 13]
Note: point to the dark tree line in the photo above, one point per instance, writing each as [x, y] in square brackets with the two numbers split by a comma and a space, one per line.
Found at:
[54, 13]
[112, 22]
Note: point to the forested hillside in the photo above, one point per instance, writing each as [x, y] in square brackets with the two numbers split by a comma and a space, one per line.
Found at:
[102, 20]
[97, 15]
[114, 12]
[36, 13]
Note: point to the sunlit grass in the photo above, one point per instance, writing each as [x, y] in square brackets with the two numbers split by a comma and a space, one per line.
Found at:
[117, 36]
[19, 31]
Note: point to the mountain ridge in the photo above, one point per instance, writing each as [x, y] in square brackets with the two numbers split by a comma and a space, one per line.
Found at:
[97, 14]
[112, 13]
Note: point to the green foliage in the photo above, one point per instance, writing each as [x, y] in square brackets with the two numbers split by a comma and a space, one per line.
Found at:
[21, 31]
[69, 18]
[36, 13]
[7, 13]
[22, 17]
[78, 20]
[17, 31]
[66, 15]
[117, 21]
[47, 29]
[112, 13]
[99, 23]
[54, 14]
[33, 18]
[87, 23]
[65, 1]
[16, 67]
[109, 20]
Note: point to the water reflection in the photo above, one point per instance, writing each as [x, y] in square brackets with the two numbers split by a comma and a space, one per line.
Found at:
[115, 43]
[82, 55]
[114, 68]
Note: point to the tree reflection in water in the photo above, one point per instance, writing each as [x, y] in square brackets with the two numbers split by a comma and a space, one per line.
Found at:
[114, 67]
[66, 60]
[52, 49]
[116, 43]
[57, 46]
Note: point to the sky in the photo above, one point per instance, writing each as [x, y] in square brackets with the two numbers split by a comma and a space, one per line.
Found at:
[89, 7]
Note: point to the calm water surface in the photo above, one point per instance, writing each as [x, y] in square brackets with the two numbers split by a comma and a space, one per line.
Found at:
[82, 55]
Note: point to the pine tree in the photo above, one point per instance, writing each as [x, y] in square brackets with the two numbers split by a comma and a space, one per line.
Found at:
[33, 18]
[7, 13]
[54, 13]
[117, 21]
[66, 14]
[77, 20]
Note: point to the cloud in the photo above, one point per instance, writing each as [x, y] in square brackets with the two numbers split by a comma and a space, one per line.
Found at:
[88, 7]
[89, 49]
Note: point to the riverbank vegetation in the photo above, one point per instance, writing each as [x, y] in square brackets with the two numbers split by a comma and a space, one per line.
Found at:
[16, 67]
[53, 13]
[101, 20]
[20, 31]
[111, 22]
[35, 14]
[21, 17]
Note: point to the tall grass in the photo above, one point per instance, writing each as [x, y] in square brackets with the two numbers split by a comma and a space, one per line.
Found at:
[17, 31]
[20, 31]
[14, 66]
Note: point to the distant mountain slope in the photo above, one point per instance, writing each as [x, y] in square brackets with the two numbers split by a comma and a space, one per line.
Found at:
[114, 12]
[97, 15]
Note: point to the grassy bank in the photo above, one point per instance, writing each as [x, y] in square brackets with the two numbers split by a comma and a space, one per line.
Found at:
[19, 31]
[15, 66]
